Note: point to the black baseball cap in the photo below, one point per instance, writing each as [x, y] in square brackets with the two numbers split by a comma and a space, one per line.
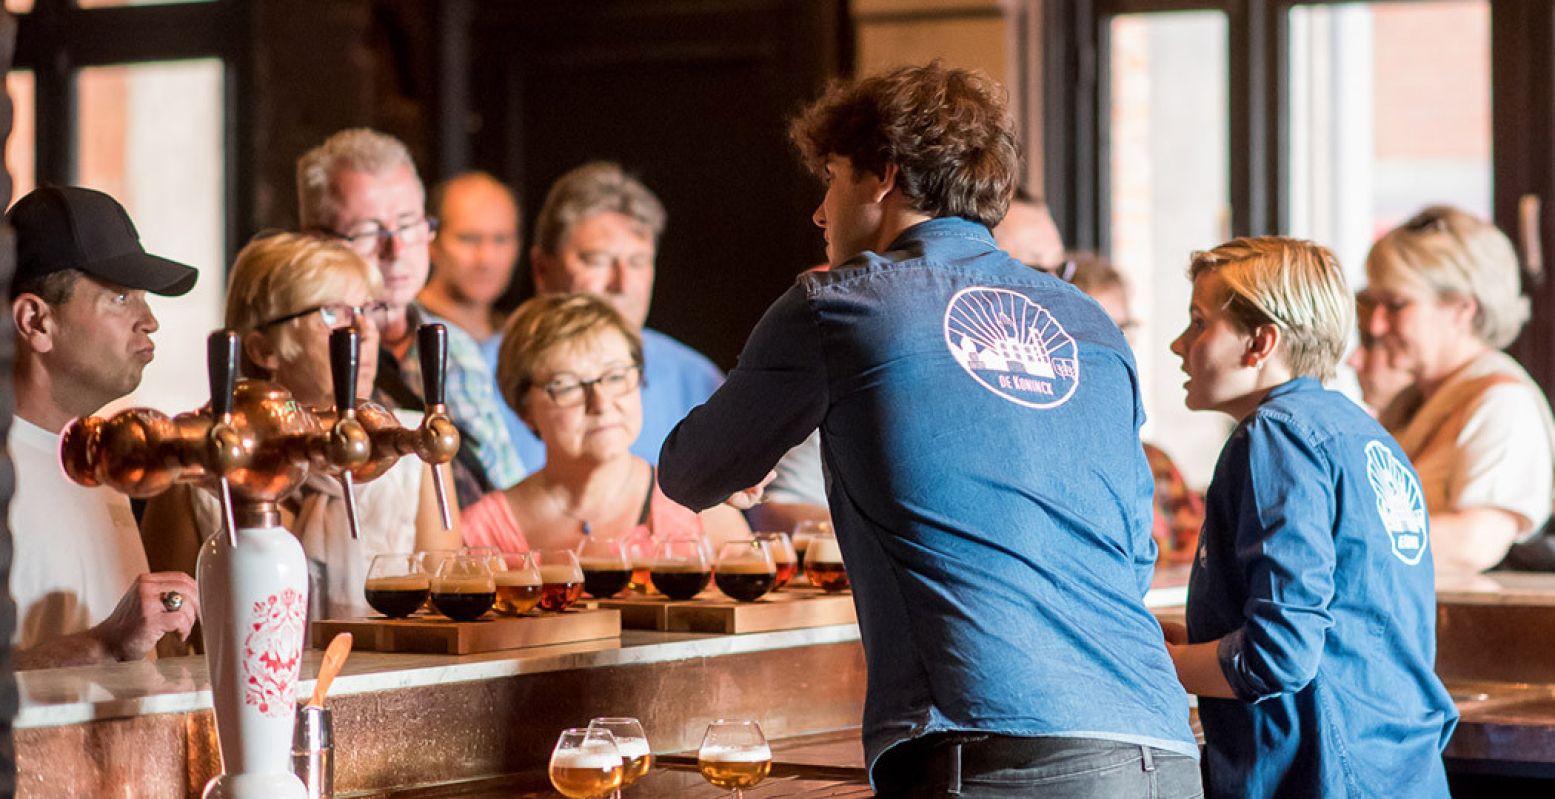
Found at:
[68, 227]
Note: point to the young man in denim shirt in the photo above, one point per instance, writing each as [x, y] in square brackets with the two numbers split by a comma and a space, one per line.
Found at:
[980, 429]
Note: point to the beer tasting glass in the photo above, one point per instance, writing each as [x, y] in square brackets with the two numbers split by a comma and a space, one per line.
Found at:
[734, 755]
[561, 579]
[396, 586]
[823, 564]
[640, 552]
[636, 756]
[803, 532]
[783, 557]
[680, 567]
[606, 566]
[463, 588]
[586, 764]
[518, 584]
[744, 571]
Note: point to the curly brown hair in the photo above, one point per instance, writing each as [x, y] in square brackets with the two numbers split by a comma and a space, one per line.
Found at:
[948, 131]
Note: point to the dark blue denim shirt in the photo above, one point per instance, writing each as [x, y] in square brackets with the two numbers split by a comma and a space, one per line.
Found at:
[1314, 571]
[980, 427]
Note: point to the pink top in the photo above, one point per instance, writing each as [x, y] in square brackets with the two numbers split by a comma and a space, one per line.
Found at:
[489, 522]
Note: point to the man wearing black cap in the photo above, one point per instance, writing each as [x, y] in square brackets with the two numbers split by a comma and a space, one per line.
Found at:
[83, 336]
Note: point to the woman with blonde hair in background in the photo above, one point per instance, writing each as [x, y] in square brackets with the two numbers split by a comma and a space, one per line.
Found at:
[285, 295]
[1444, 297]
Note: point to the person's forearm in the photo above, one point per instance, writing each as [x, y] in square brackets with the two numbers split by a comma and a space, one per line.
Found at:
[1198, 668]
[783, 516]
[85, 648]
[1471, 541]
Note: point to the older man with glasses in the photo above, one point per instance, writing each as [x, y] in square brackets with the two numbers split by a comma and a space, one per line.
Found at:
[361, 187]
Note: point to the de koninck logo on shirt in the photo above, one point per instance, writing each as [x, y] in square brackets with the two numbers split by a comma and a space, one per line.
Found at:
[1012, 346]
[1399, 502]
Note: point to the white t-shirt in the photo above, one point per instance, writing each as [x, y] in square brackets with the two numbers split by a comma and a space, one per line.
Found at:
[77, 549]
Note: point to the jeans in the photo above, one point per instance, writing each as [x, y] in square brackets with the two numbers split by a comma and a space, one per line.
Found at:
[997, 766]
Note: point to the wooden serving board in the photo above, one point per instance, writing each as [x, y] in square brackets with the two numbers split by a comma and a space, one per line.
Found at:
[439, 636]
[712, 612]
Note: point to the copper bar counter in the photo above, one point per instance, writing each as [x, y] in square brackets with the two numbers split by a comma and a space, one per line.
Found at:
[145, 729]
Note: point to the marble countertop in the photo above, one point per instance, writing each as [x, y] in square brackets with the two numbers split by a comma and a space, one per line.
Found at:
[52, 697]
[1497, 588]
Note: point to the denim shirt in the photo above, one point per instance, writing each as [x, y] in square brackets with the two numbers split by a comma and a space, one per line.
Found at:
[1314, 571]
[980, 427]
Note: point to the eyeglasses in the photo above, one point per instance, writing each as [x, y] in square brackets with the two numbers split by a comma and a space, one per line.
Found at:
[1063, 270]
[374, 236]
[336, 314]
[571, 392]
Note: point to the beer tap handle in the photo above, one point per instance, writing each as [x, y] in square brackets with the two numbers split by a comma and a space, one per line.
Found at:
[344, 358]
[226, 449]
[432, 346]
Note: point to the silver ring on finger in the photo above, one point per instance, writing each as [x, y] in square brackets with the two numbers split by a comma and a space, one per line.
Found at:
[172, 601]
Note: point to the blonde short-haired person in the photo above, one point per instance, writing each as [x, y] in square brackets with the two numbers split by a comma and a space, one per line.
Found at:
[571, 365]
[285, 295]
[1311, 610]
[1445, 298]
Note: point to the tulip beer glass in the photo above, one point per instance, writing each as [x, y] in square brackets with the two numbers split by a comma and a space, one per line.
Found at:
[734, 755]
[680, 568]
[783, 557]
[823, 565]
[396, 586]
[636, 756]
[606, 566]
[561, 579]
[518, 584]
[744, 571]
[463, 588]
[586, 764]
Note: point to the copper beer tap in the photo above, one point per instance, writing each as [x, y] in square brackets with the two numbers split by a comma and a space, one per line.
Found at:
[253, 444]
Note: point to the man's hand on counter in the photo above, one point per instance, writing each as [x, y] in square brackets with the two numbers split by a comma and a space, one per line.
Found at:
[146, 612]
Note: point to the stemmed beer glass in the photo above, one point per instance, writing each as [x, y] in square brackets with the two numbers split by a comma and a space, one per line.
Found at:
[586, 764]
[734, 755]
[636, 755]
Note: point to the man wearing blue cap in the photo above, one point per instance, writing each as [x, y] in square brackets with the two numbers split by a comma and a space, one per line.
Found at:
[83, 337]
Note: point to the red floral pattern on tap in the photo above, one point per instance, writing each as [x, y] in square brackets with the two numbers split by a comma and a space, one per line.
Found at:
[272, 652]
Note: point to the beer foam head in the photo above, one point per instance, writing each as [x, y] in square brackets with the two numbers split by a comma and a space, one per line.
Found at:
[823, 550]
[745, 567]
[403, 582]
[735, 754]
[679, 567]
[518, 577]
[560, 573]
[601, 564]
[631, 748]
[463, 585]
[589, 755]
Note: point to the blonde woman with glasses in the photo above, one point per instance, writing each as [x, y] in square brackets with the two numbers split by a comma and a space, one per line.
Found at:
[571, 367]
[1444, 297]
[285, 295]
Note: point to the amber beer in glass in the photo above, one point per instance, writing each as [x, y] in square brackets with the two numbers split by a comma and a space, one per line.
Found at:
[396, 586]
[823, 565]
[518, 585]
[803, 532]
[734, 755]
[783, 557]
[463, 588]
[561, 579]
[681, 568]
[586, 764]
[745, 571]
[636, 756]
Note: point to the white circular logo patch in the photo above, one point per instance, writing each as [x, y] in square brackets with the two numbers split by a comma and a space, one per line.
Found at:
[1399, 502]
[1012, 346]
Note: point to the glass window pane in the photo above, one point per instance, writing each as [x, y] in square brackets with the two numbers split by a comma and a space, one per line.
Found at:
[19, 148]
[1170, 195]
[1390, 111]
[152, 135]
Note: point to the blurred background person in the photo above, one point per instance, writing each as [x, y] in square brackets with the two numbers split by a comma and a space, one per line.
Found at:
[1027, 232]
[572, 366]
[1179, 510]
[1447, 293]
[473, 258]
[361, 187]
[285, 295]
[1379, 380]
[598, 232]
